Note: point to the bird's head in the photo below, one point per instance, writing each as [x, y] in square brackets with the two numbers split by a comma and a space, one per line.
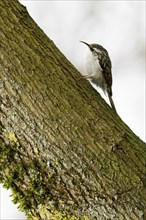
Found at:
[95, 48]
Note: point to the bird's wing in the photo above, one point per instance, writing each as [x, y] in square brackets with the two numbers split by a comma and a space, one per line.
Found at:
[106, 67]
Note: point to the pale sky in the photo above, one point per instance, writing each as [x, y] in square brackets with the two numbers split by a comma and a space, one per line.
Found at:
[116, 25]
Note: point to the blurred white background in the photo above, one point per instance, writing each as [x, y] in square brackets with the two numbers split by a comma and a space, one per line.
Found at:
[119, 26]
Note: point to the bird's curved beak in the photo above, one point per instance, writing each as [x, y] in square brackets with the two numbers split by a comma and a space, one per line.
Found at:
[85, 43]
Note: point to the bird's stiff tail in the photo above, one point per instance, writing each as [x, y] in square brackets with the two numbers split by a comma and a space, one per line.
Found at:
[112, 103]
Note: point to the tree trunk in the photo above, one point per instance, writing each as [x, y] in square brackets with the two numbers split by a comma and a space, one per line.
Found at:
[63, 151]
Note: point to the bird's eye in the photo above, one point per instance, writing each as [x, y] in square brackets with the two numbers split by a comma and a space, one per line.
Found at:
[92, 49]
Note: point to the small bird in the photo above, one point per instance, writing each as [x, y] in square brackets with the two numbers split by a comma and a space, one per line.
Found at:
[98, 66]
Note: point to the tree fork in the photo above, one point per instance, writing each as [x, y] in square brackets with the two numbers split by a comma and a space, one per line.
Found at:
[63, 151]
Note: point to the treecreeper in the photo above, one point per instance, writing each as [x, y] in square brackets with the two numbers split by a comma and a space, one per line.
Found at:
[99, 69]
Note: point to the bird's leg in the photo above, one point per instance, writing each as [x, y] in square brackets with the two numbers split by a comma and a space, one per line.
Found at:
[86, 77]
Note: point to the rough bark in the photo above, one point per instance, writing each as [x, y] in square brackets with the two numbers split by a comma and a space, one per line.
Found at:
[63, 151]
